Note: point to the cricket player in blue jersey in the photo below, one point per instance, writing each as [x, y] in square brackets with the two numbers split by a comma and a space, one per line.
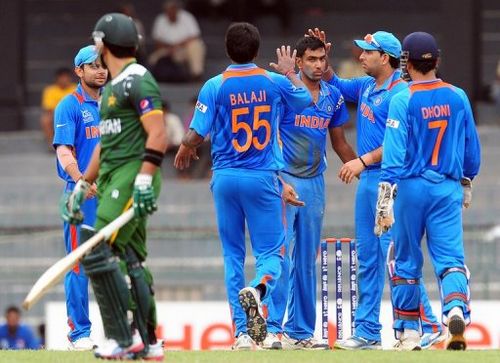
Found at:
[380, 60]
[76, 133]
[303, 136]
[240, 109]
[431, 154]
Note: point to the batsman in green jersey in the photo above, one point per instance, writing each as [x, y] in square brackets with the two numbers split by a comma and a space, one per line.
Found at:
[126, 167]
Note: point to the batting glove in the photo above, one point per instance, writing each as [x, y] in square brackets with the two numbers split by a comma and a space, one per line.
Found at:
[467, 188]
[384, 215]
[70, 206]
[144, 196]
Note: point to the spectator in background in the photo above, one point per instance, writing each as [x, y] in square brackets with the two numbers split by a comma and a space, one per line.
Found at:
[52, 94]
[243, 10]
[351, 67]
[14, 335]
[129, 10]
[496, 89]
[175, 128]
[175, 133]
[178, 41]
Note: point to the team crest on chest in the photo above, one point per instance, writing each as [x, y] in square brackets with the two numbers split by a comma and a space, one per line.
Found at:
[111, 100]
[377, 101]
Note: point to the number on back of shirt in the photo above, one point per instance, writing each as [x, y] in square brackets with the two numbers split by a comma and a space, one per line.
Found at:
[238, 126]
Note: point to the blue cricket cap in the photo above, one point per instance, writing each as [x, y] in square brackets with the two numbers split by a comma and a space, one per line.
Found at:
[420, 46]
[382, 41]
[86, 55]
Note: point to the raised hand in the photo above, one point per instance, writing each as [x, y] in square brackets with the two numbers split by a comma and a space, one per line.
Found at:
[286, 60]
[321, 35]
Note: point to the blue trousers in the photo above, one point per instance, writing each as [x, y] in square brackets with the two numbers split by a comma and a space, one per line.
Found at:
[433, 207]
[255, 197]
[372, 256]
[76, 282]
[297, 284]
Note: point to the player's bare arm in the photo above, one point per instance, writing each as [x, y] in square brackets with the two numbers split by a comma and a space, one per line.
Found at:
[66, 157]
[286, 65]
[353, 168]
[93, 168]
[157, 139]
[187, 150]
[340, 145]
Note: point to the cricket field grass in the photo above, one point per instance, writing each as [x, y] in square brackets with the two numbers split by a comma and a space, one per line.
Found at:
[431, 356]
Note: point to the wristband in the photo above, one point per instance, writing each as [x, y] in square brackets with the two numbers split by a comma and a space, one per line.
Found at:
[288, 73]
[362, 161]
[153, 156]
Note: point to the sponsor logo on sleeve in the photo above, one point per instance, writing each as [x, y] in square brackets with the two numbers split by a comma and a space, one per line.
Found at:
[201, 107]
[146, 105]
[392, 123]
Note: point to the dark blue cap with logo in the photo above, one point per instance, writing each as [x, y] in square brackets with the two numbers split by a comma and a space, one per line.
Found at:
[420, 46]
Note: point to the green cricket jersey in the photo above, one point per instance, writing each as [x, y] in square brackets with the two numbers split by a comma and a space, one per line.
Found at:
[125, 99]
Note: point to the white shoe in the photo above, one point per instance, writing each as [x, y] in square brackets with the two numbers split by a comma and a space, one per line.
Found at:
[256, 323]
[409, 340]
[82, 344]
[272, 341]
[429, 339]
[155, 352]
[290, 343]
[243, 342]
[456, 329]
[112, 350]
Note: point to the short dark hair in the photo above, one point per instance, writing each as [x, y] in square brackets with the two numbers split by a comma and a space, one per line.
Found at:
[423, 66]
[121, 52]
[394, 62]
[63, 71]
[12, 309]
[242, 42]
[306, 43]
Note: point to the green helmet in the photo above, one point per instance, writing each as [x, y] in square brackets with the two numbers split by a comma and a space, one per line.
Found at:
[117, 29]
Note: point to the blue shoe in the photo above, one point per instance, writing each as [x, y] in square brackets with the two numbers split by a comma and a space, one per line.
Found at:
[429, 339]
[357, 343]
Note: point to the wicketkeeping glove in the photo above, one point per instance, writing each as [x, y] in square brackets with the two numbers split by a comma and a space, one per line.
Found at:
[384, 214]
[70, 206]
[467, 188]
[144, 196]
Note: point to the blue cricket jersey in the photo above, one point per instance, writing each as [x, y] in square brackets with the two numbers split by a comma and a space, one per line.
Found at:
[240, 108]
[430, 127]
[23, 338]
[76, 124]
[373, 106]
[304, 134]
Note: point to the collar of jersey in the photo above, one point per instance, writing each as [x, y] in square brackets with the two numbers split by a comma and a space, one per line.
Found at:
[394, 76]
[86, 97]
[323, 89]
[126, 65]
[242, 67]
[427, 82]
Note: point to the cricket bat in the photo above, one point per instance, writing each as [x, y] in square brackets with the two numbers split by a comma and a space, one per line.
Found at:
[56, 272]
